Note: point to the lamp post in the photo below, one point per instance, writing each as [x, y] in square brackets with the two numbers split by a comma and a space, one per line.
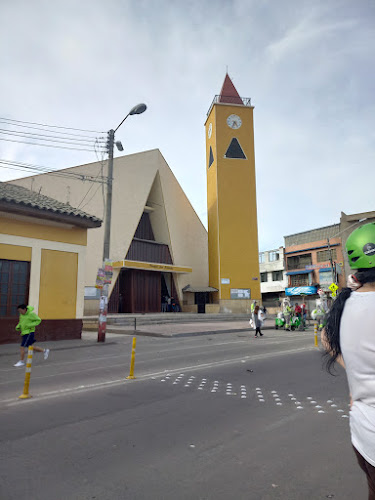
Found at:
[335, 236]
[103, 304]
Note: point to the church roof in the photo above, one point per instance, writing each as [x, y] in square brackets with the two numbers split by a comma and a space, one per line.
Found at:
[228, 93]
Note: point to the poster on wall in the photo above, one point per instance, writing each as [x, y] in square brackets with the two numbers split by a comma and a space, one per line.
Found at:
[240, 293]
[108, 271]
[100, 278]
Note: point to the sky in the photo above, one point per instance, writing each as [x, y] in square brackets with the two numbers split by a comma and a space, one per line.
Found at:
[308, 67]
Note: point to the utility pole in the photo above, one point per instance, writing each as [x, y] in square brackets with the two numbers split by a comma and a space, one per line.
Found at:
[108, 205]
[103, 304]
[331, 261]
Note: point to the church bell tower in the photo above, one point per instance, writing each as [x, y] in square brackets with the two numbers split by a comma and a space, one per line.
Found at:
[231, 201]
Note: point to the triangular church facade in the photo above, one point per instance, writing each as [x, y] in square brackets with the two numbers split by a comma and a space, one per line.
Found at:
[158, 244]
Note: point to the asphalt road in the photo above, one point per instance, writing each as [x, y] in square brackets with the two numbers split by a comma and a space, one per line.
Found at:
[210, 417]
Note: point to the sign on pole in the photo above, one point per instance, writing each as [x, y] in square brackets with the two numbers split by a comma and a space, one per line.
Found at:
[333, 287]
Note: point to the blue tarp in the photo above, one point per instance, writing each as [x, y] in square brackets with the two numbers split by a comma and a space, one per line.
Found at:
[302, 271]
[299, 290]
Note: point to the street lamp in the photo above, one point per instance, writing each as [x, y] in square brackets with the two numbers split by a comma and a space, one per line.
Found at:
[335, 236]
[136, 110]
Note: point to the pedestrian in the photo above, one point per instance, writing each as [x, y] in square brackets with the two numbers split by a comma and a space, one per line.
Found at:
[349, 340]
[169, 304]
[28, 320]
[304, 313]
[257, 321]
[164, 300]
[297, 310]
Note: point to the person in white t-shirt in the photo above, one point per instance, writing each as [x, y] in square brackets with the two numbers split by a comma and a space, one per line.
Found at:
[349, 339]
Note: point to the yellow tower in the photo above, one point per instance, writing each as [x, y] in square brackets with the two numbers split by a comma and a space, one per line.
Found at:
[231, 201]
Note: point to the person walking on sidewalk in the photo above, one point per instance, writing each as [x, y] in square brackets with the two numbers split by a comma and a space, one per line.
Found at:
[349, 340]
[257, 320]
[27, 322]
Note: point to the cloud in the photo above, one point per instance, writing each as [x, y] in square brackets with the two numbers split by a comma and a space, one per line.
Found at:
[306, 65]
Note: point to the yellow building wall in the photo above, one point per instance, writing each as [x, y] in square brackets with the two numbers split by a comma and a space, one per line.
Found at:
[212, 207]
[15, 227]
[15, 252]
[58, 285]
[232, 212]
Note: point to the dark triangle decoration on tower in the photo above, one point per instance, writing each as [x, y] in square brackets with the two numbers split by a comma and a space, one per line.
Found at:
[211, 159]
[235, 151]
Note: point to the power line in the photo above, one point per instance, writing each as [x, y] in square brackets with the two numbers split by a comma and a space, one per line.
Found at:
[69, 138]
[8, 122]
[12, 165]
[54, 126]
[46, 145]
[40, 137]
[89, 189]
[87, 202]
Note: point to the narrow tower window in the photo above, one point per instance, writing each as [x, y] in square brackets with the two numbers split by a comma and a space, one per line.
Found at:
[211, 159]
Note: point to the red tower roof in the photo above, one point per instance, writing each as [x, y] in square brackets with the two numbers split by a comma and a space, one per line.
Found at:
[228, 93]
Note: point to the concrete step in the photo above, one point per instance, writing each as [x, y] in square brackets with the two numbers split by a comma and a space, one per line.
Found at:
[162, 318]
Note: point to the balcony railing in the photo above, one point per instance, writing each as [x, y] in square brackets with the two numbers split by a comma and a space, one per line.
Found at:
[246, 101]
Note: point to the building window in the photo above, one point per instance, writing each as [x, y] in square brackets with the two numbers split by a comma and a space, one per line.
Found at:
[299, 261]
[324, 255]
[274, 256]
[299, 280]
[261, 258]
[277, 275]
[14, 285]
[263, 277]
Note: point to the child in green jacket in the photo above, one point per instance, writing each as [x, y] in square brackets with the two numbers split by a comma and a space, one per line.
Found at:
[26, 325]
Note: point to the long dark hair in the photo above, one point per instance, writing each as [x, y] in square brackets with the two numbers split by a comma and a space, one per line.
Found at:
[332, 329]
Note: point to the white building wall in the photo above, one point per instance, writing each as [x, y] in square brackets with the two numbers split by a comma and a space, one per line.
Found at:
[134, 176]
[268, 267]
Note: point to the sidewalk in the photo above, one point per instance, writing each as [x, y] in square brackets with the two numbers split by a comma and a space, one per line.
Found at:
[180, 329]
[169, 330]
[116, 333]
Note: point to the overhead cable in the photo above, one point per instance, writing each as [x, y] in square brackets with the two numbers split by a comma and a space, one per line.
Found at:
[45, 145]
[5, 121]
[40, 137]
[54, 126]
[101, 140]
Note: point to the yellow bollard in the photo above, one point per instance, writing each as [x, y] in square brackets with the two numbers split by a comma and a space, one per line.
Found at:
[316, 334]
[131, 374]
[25, 394]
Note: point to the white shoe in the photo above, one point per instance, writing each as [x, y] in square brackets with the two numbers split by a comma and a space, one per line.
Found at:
[20, 363]
[46, 353]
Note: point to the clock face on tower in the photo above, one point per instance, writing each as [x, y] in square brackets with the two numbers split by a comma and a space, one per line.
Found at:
[234, 121]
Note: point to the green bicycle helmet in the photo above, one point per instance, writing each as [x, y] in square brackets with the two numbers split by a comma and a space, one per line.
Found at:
[361, 247]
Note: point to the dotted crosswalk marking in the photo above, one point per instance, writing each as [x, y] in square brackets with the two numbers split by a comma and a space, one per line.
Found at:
[251, 395]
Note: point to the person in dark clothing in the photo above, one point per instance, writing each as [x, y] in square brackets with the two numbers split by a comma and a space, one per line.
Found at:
[257, 321]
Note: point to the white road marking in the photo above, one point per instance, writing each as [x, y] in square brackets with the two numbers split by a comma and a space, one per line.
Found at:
[147, 376]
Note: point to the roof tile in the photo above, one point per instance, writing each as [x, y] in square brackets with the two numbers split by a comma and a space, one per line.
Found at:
[21, 196]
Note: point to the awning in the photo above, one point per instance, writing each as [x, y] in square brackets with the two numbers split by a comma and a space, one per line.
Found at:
[302, 271]
[151, 266]
[199, 289]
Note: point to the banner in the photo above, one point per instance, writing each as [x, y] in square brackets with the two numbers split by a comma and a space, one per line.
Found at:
[300, 290]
